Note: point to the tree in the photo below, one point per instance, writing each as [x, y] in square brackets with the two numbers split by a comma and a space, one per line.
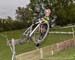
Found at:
[71, 13]
[24, 15]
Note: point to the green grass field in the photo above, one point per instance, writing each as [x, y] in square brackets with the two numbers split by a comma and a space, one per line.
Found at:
[5, 53]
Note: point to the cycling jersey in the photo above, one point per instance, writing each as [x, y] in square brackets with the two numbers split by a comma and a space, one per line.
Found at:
[45, 19]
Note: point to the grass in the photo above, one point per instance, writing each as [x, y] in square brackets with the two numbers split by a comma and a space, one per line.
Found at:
[5, 53]
[67, 54]
[61, 29]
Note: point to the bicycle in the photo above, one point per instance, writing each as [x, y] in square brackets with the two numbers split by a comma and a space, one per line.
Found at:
[32, 33]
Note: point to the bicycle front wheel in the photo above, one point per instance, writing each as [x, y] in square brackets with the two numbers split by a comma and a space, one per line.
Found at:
[39, 36]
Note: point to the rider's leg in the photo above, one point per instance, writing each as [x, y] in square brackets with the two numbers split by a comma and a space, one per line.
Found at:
[41, 31]
[44, 29]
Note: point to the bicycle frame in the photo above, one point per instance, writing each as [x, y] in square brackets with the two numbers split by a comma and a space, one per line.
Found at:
[29, 32]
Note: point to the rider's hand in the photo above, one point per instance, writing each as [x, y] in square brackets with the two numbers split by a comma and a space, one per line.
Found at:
[40, 21]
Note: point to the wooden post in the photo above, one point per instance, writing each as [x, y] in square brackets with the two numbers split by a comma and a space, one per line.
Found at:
[73, 32]
[52, 52]
[41, 53]
[57, 44]
[13, 50]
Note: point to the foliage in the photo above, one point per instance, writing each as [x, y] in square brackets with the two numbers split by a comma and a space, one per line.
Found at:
[10, 24]
[66, 15]
[64, 9]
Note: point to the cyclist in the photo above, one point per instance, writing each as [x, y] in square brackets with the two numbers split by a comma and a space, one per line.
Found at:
[45, 19]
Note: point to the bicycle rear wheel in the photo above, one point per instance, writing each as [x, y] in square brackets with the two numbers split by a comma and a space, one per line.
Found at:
[25, 35]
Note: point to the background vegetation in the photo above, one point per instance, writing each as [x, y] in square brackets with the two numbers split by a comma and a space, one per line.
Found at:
[63, 9]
